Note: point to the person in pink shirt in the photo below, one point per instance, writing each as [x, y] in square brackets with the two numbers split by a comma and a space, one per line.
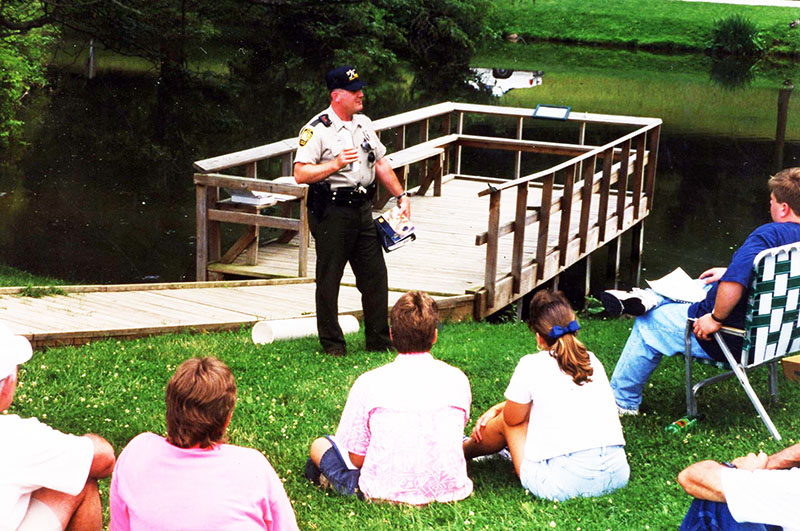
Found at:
[399, 438]
[192, 479]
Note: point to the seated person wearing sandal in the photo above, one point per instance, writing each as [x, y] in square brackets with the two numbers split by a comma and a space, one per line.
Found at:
[48, 479]
[753, 492]
[559, 421]
[659, 329]
[192, 479]
[399, 438]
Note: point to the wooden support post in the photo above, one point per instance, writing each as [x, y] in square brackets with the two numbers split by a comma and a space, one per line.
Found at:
[287, 168]
[622, 183]
[587, 278]
[304, 236]
[638, 175]
[424, 131]
[780, 128]
[214, 238]
[252, 249]
[566, 214]
[438, 173]
[201, 239]
[491, 248]
[544, 225]
[612, 264]
[581, 141]
[652, 160]
[554, 283]
[586, 203]
[518, 155]
[637, 240]
[605, 187]
[460, 131]
[519, 236]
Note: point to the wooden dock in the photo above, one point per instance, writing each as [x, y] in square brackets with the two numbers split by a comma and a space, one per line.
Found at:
[482, 242]
[88, 313]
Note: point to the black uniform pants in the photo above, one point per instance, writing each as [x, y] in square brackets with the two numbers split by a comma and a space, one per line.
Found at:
[348, 234]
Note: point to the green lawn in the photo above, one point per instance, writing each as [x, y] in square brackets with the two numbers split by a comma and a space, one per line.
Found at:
[289, 394]
[653, 24]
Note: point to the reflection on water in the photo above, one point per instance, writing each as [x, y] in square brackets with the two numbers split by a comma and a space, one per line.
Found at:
[103, 192]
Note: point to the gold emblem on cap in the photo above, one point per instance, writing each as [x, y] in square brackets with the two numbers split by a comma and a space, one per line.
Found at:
[352, 74]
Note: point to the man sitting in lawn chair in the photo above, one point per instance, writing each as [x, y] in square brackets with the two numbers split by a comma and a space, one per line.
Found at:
[48, 479]
[753, 492]
[399, 438]
[660, 323]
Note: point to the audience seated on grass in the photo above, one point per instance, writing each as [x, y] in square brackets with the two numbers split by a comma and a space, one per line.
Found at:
[559, 421]
[48, 479]
[192, 479]
[399, 438]
[753, 492]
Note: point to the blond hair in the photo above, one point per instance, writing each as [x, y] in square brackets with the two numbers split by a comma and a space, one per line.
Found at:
[785, 185]
[549, 309]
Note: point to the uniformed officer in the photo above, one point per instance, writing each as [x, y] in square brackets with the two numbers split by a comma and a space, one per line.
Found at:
[340, 156]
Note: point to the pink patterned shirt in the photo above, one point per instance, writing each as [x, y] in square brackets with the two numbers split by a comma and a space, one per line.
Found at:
[407, 418]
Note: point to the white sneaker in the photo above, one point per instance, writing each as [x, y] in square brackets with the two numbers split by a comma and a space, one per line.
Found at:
[623, 412]
[634, 302]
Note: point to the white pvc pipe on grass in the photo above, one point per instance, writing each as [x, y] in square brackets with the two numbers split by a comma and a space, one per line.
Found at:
[265, 332]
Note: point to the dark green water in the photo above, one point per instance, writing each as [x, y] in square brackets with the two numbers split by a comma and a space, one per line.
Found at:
[102, 192]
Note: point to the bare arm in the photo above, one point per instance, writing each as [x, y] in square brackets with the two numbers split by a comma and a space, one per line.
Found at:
[357, 460]
[103, 460]
[307, 173]
[515, 413]
[387, 177]
[728, 294]
[703, 480]
[786, 458]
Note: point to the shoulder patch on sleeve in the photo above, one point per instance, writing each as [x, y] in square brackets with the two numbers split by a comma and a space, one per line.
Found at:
[305, 136]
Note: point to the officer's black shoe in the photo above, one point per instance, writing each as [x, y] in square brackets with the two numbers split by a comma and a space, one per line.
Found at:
[336, 350]
[381, 347]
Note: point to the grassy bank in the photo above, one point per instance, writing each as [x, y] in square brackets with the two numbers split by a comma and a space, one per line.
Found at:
[289, 394]
[668, 25]
[675, 88]
[11, 276]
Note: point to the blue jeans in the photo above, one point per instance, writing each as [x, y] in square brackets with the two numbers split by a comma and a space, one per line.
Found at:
[657, 333]
[704, 515]
[591, 472]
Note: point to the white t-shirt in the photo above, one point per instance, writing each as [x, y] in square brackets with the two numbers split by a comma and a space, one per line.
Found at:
[763, 496]
[34, 455]
[565, 417]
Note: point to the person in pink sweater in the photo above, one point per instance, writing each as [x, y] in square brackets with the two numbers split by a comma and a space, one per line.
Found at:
[192, 479]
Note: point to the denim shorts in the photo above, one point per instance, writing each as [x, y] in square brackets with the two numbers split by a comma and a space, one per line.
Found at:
[343, 479]
[585, 473]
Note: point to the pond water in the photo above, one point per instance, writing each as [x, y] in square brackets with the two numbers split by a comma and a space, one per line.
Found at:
[102, 190]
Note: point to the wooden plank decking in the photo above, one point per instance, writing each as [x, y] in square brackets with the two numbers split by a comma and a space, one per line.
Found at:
[87, 313]
[444, 259]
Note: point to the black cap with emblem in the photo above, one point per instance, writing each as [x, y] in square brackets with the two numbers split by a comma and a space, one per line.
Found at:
[344, 77]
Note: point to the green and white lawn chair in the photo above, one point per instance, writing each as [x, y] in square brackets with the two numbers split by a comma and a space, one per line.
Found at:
[771, 329]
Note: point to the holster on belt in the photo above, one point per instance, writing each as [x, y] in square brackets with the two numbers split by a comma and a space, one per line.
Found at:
[319, 200]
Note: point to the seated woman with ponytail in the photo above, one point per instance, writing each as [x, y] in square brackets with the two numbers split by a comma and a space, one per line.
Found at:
[559, 421]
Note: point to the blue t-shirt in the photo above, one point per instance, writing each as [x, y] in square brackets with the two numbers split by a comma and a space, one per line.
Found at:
[739, 271]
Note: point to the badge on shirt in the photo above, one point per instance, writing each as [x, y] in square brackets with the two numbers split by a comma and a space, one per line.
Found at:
[305, 136]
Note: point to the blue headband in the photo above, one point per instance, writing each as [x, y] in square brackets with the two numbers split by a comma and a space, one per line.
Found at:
[559, 331]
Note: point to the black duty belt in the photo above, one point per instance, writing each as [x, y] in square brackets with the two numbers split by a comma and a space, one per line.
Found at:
[352, 195]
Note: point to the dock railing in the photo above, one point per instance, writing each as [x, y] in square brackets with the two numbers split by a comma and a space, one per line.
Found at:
[616, 180]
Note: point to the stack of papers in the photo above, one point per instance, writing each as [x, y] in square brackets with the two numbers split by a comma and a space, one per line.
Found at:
[394, 229]
[679, 286]
[250, 197]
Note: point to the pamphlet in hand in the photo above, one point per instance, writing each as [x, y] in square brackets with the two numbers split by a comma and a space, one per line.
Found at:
[394, 229]
[679, 286]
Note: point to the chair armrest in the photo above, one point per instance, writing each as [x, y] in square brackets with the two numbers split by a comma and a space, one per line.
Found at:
[731, 331]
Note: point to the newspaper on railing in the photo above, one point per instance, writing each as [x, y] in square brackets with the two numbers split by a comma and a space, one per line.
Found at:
[394, 229]
[679, 286]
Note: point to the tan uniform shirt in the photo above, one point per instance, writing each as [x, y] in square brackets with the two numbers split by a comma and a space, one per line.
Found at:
[319, 144]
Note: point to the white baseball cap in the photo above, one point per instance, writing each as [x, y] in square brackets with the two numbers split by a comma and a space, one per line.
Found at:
[14, 350]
